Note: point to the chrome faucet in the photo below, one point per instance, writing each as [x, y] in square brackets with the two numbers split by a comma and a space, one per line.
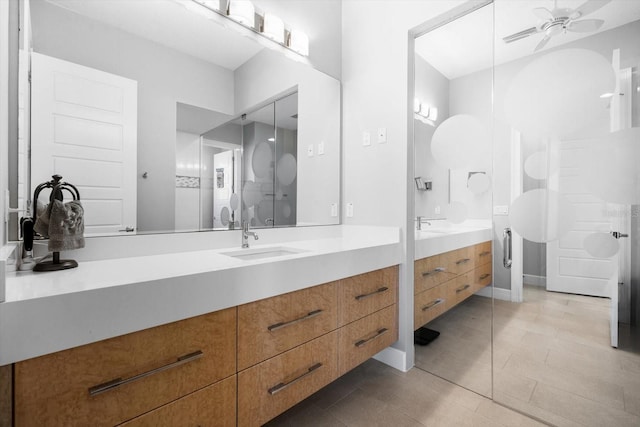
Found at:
[246, 233]
[422, 220]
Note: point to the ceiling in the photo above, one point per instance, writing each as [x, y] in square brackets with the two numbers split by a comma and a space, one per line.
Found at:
[203, 35]
[466, 45]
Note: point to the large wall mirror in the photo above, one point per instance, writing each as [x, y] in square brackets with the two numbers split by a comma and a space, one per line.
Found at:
[171, 120]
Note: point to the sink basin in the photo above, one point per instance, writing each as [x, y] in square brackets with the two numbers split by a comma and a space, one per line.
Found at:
[261, 253]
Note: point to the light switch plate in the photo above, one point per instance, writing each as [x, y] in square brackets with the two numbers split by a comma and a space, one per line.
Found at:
[501, 210]
[310, 150]
[321, 148]
[382, 135]
[349, 210]
[366, 138]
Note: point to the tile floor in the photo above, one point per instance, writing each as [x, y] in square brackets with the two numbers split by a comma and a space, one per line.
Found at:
[551, 356]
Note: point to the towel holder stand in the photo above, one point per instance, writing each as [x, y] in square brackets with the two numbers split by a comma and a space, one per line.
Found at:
[57, 187]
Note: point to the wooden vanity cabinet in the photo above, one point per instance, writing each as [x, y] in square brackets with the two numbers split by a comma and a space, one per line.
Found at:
[444, 280]
[112, 381]
[185, 373]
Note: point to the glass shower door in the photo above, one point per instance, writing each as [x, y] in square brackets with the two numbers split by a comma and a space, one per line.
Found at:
[567, 136]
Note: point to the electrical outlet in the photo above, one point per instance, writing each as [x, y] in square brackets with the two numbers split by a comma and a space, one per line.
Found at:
[437, 210]
[501, 210]
[310, 150]
[334, 209]
[321, 148]
[382, 135]
[349, 210]
[366, 138]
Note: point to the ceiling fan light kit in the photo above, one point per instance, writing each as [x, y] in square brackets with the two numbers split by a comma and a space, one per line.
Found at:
[561, 20]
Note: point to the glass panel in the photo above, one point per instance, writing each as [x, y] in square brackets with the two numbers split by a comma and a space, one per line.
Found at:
[452, 143]
[286, 152]
[258, 166]
[567, 143]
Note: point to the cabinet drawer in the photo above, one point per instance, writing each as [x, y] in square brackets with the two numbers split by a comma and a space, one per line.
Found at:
[54, 390]
[432, 271]
[274, 325]
[461, 260]
[273, 386]
[430, 304]
[367, 293]
[364, 338]
[482, 276]
[213, 406]
[461, 288]
[482, 253]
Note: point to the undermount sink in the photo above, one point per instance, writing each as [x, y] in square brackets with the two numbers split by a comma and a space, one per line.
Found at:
[261, 253]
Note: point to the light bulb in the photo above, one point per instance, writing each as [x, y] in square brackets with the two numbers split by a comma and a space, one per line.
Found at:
[299, 42]
[273, 27]
[242, 11]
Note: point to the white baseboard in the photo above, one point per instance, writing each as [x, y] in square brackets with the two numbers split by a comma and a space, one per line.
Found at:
[498, 293]
[393, 357]
[534, 280]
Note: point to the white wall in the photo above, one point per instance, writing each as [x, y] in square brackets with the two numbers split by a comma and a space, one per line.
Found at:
[164, 78]
[378, 179]
[4, 113]
[269, 74]
[187, 206]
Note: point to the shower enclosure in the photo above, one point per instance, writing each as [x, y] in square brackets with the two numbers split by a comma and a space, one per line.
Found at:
[557, 90]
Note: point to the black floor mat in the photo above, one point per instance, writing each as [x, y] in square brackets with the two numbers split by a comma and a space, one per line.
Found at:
[424, 336]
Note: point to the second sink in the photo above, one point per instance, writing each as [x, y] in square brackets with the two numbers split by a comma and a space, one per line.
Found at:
[261, 253]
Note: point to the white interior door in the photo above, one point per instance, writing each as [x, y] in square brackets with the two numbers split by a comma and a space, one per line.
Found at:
[84, 127]
[570, 268]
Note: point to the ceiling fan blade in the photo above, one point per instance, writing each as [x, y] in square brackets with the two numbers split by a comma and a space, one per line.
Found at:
[521, 35]
[588, 7]
[542, 43]
[585, 25]
[543, 13]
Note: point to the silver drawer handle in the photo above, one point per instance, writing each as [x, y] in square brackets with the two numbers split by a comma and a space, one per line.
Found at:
[380, 332]
[485, 253]
[377, 291]
[462, 288]
[435, 270]
[484, 276]
[433, 304]
[110, 385]
[281, 386]
[463, 261]
[281, 325]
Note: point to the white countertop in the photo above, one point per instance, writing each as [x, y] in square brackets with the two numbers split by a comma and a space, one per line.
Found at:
[53, 311]
[444, 237]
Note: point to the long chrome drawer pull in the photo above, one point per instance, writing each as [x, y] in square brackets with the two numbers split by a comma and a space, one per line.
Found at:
[110, 385]
[380, 332]
[377, 291]
[435, 270]
[433, 304]
[462, 288]
[485, 253]
[463, 261]
[484, 276]
[281, 325]
[281, 386]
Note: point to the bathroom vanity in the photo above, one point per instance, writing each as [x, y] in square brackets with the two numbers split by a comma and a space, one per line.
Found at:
[450, 265]
[248, 338]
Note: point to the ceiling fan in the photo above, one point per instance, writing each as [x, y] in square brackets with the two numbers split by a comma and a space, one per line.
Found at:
[561, 20]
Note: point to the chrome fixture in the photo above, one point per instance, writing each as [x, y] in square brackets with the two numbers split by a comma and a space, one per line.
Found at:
[506, 248]
[246, 233]
[423, 185]
[422, 220]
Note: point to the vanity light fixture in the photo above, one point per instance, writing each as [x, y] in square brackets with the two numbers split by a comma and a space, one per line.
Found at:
[243, 12]
[433, 114]
[298, 42]
[273, 27]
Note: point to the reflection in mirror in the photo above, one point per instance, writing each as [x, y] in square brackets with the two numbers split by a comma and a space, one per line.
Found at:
[452, 310]
[139, 88]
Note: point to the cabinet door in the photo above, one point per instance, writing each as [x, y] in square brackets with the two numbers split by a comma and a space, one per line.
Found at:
[213, 406]
[273, 386]
[77, 387]
[430, 304]
[367, 293]
[360, 340]
[432, 271]
[482, 253]
[274, 325]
